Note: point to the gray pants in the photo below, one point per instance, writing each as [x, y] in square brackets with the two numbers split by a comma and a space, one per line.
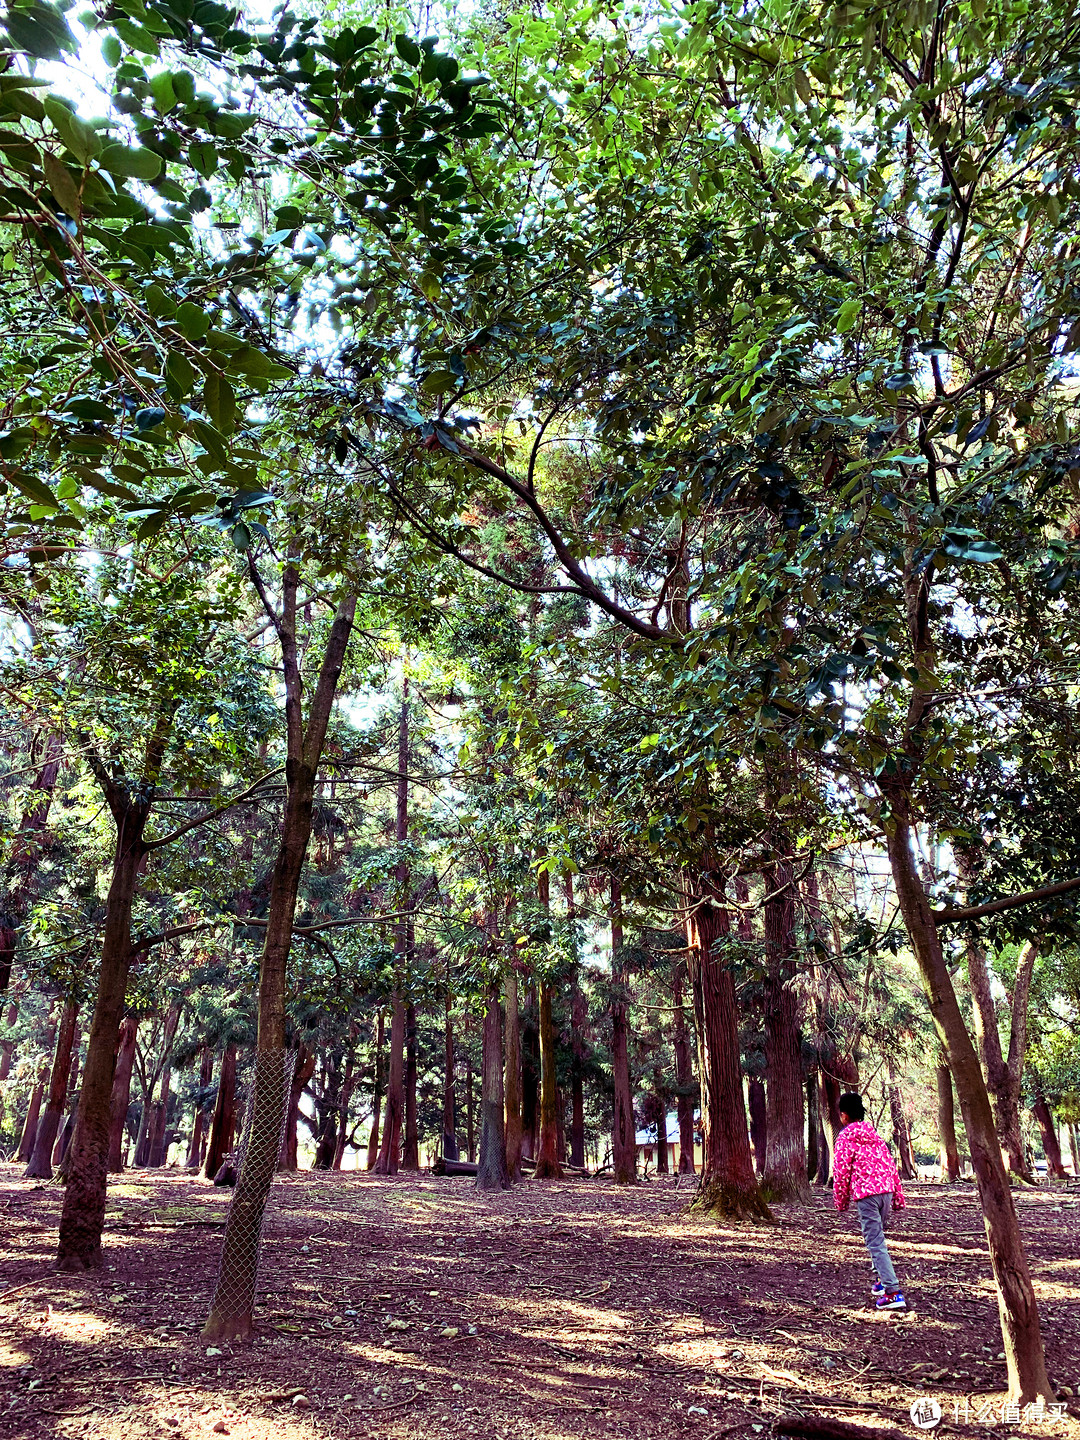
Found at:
[875, 1212]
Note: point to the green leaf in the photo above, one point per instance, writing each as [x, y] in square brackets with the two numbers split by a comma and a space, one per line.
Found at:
[81, 139]
[161, 87]
[33, 488]
[180, 371]
[407, 49]
[203, 158]
[131, 164]
[249, 361]
[970, 545]
[438, 382]
[429, 284]
[220, 401]
[151, 525]
[14, 442]
[193, 320]
[62, 184]
[39, 30]
[240, 536]
[111, 51]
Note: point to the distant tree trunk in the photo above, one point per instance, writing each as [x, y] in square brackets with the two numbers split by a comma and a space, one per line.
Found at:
[624, 1134]
[901, 1138]
[449, 1122]
[684, 1067]
[410, 1154]
[40, 1163]
[33, 1112]
[492, 1173]
[376, 1095]
[198, 1124]
[470, 1103]
[560, 1106]
[728, 1183]
[158, 1148]
[326, 1136]
[223, 1120]
[530, 1079]
[946, 1116]
[813, 1154]
[20, 872]
[578, 1018]
[120, 1099]
[7, 1047]
[759, 1121]
[512, 1079]
[66, 1130]
[390, 1148]
[1055, 1170]
[1074, 1149]
[303, 1070]
[661, 1124]
[785, 1146]
[348, 1085]
[232, 1306]
[547, 1160]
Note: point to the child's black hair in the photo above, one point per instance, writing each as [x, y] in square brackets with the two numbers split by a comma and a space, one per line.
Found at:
[851, 1105]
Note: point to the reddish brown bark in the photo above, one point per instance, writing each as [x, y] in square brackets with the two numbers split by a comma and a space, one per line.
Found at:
[410, 1150]
[348, 1085]
[223, 1120]
[376, 1094]
[624, 1135]
[120, 1099]
[759, 1121]
[390, 1148]
[530, 1078]
[39, 1166]
[491, 1173]
[26, 851]
[728, 1183]
[578, 1019]
[158, 1148]
[449, 1118]
[512, 1078]
[1055, 1170]
[684, 1067]
[785, 1144]
[7, 1047]
[303, 1070]
[198, 1124]
[901, 1136]
[946, 1116]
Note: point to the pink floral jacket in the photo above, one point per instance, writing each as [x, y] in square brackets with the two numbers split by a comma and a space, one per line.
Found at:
[863, 1166]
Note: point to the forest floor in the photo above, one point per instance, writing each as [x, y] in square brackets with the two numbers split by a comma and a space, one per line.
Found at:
[417, 1307]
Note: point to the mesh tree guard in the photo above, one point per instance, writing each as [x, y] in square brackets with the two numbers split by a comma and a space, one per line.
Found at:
[257, 1157]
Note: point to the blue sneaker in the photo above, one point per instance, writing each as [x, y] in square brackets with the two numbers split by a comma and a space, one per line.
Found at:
[895, 1301]
[877, 1289]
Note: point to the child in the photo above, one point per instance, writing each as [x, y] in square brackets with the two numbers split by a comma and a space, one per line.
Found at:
[864, 1171]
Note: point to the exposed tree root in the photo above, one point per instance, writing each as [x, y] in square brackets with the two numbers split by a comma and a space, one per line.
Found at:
[720, 1201]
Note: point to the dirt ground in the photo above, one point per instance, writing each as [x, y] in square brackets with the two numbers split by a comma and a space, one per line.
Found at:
[417, 1307]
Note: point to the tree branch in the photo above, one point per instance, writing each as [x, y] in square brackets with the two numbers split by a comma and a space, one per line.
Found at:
[948, 915]
[210, 814]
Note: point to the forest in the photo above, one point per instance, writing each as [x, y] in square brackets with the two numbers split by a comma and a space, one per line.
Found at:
[538, 546]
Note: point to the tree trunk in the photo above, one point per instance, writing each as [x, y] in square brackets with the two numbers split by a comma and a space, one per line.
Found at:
[1074, 1149]
[198, 1124]
[492, 1172]
[901, 1138]
[83, 1216]
[547, 1159]
[512, 1078]
[410, 1154]
[661, 1123]
[759, 1121]
[946, 1115]
[33, 1113]
[530, 1080]
[449, 1122]
[624, 1135]
[1016, 1296]
[120, 1099]
[728, 1185]
[347, 1087]
[578, 1018]
[40, 1163]
[390, 1149]
[25, 855]
[7, 1047]
[785, 1145]
[376, 1095]
[303, 1070]
[158, 1148]
[234, 1295]
[813, 1154]
[223, 1120]
[470, 1105]
[1055, 1170]
[684, 1067]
